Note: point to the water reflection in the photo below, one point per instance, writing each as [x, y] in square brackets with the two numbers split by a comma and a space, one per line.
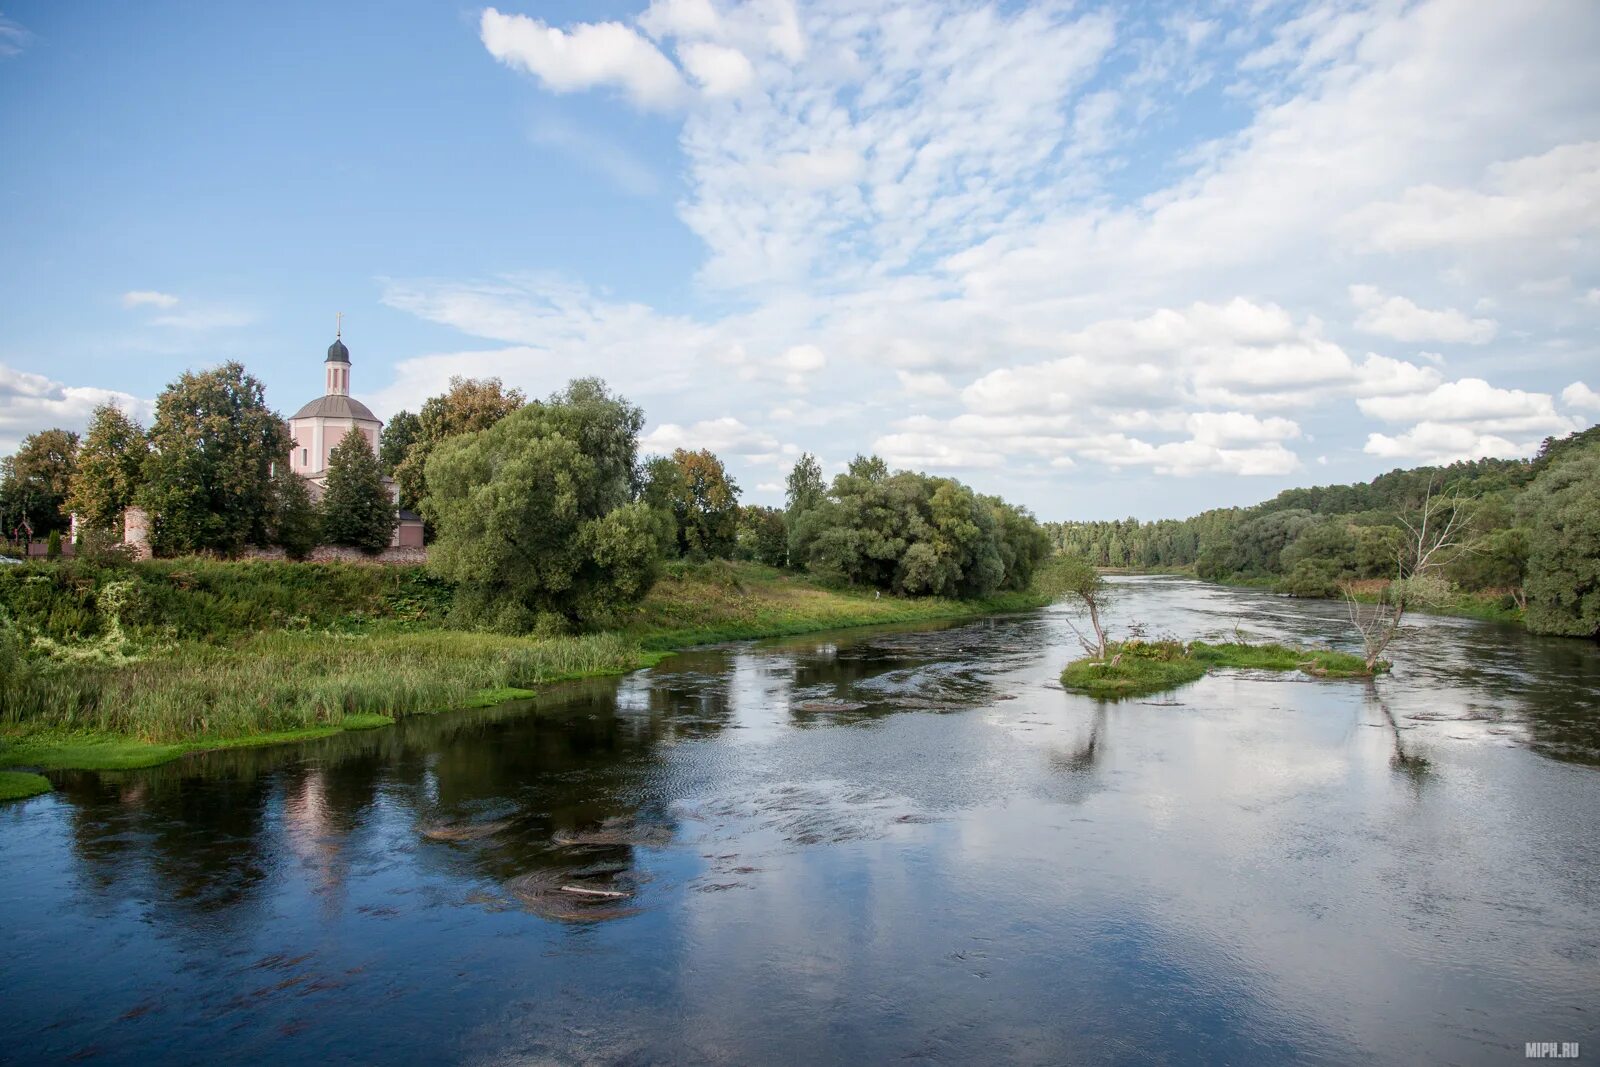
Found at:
[901, 844]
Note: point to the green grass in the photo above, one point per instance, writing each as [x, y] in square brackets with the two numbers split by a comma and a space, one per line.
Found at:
[1141, 668]
[111, 699]
[697, 605]
[18, 785]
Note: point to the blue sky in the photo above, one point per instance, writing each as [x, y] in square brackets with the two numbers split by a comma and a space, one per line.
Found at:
[1104, 259]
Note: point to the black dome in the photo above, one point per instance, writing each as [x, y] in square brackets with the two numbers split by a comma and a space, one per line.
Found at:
[338, 353]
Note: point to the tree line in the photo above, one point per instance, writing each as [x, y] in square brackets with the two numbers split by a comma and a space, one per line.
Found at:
[211, 470]
[1529, 534]
[541, 514]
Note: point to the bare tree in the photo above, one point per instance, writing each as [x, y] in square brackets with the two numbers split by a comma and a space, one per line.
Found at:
[1433, 535]
[1072, 578]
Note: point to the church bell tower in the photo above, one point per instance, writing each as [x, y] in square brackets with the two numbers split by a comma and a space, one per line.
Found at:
[338, 366]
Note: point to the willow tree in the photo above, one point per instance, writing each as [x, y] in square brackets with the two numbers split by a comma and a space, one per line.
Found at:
[536, 524]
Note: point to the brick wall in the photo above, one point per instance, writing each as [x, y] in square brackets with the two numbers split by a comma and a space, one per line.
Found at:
[341, 554]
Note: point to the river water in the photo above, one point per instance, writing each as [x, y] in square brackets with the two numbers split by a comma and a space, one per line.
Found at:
[861, 847]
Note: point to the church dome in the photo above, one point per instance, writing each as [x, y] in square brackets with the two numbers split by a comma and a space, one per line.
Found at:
[337, 352]
[334, 406]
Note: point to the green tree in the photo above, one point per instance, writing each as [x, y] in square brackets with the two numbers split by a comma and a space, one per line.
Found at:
[535, 524]
[805, 491]
[763, 537]
[702, 498]
[35, 482]
[1023, 543]
[110, 466]
[1562, 511]
[295, 526]
[469, 405]
[356, 508]
[207, 482]
[398, 436]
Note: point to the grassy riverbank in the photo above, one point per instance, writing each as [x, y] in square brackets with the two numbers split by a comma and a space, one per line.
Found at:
[136, 666]
[1490, 606]
[1141, 668]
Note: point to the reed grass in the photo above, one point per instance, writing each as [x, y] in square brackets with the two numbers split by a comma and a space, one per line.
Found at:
[294, 681]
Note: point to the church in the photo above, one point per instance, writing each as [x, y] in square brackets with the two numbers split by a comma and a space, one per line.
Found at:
[318, 428]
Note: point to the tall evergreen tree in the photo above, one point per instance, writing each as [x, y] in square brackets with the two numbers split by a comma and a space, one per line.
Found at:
[356, 508]
[296, 527]
[110, 467]
[208, 478]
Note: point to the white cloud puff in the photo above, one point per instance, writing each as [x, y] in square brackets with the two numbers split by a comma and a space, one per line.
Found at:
[590, 55]
[721, 71]
[1578, 395]
[31, 402]
[148, 298]
[1399, 318]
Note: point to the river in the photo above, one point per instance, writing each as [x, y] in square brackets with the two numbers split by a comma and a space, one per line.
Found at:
[855, 847]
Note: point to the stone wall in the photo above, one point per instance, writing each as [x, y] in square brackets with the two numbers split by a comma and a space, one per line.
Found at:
[342, 554]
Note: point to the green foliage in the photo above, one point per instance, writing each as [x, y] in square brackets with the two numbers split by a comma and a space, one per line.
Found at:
[294, 525]
[470, 405]
[189, 600]
[1071, 577]
[696, 604]
[763, 536]
[913, 534]
[52, 547]
[110, 467]
[399, 434]
[695, 489]
[292, 681]
[356, 508]
[534, 520]
[208, 478]
[1141, 668]
[1562, 510]
[805, 491]
[36, 480]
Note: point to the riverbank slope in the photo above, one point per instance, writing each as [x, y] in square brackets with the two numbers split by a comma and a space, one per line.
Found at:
[125, 667]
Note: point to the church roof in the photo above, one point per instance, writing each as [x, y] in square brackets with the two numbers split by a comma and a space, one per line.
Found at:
[334, 406]
[337, 352]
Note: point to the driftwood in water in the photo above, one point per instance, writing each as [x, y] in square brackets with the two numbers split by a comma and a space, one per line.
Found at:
[607, 894]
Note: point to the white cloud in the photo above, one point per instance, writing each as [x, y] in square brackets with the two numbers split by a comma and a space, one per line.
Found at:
[1551, 196]
[13, 38]
[933, 196]
[1475, 401]
[1579, 395]
[933, 452]
[681, 18]
[1237, 427]
[591, 55]
[1399, 318]
[725, 436]
[1439, 443]
[32, 402]
[929, 384]
[148, 298]
[721, 71]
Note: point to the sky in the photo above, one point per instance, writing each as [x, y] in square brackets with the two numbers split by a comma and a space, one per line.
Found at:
[1102, 259]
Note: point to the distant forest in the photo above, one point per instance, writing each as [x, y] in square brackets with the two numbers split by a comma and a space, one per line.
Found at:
[1534, 534]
